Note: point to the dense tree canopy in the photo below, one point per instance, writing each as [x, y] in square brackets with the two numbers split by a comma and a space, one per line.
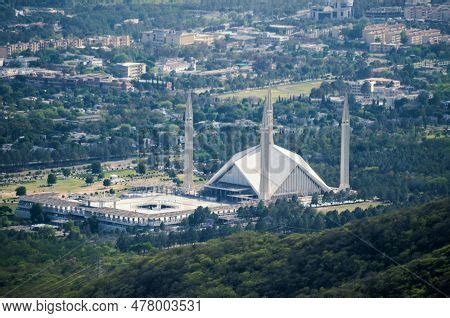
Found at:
[371, 257]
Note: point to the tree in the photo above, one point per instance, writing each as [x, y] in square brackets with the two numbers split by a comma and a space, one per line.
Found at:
[92, 224]
[37, 213]
[171, 173]
[106, 182]
[51, 179]
[96, 167]
[423, 97]
[199, 216]
[5, 212]
[68, 226]
[21, 190]
[89, 179]
[365, 88]
[315, 199]
[141, 168]
[66, 172]
[404, 37]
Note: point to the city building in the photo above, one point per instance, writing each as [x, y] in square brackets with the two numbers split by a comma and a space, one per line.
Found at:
[168, 37]
[3, 52]
[48, 78]
[383, 33]
[204, 38]
[440, 13]
[376, 47]
[131, 21]
[418, 36]
[65, 43]
[384, 37]
[334, 10]
[355, 86]
[110, 41]
[383, 13]
[312, 47]
[175, 65]
[282, 29]
[141, 208]
[384, 91]
[416, 2]
[131, 70]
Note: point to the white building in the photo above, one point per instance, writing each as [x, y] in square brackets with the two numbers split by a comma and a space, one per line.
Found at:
[335, 10]
[131, 70]
[265, 171]
[176, 65]
[168, 37]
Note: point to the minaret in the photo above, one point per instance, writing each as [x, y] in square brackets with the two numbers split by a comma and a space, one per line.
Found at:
[188, 146]
[345, 147]
[266, 142]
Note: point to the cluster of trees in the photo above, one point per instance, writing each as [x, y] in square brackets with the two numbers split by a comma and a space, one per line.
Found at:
[356, 260]
[149, 242]
[200, 226]
[41, 252]
[290, 217]
[6, 214]
[281, 217]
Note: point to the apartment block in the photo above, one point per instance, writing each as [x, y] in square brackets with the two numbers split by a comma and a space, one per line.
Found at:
[374, 84]
[383, 33]
[335, 10]
[418, 37]
[440, 13]
[130, 70]
[168, 37]
[175, 65]
[35, 46]
[416, 2]
[110, 41]
[384, 13]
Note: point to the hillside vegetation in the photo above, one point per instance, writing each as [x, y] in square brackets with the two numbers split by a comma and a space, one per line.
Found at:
[346, 261]
[401, 254]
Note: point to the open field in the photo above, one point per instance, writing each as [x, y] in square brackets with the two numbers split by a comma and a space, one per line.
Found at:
[77, 185]
[121, 173]
[350, 207]
[62, 186]
[283, 91]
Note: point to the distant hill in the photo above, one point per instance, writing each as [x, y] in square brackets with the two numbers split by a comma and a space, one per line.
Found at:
[343, 262]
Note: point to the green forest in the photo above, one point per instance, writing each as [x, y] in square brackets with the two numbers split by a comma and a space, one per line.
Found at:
[401, 253]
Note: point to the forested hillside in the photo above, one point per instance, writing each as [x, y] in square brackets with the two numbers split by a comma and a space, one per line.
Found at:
[403, 253]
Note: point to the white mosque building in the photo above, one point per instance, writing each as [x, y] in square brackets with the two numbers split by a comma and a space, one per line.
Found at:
[267, 171]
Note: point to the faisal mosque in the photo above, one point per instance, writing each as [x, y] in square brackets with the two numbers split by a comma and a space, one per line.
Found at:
[267, 171]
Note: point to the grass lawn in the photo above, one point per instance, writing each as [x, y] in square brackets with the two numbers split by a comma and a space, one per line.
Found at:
[350, 207]
[61, 186]
[120, 173]
[76, 185]
[283, 91]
